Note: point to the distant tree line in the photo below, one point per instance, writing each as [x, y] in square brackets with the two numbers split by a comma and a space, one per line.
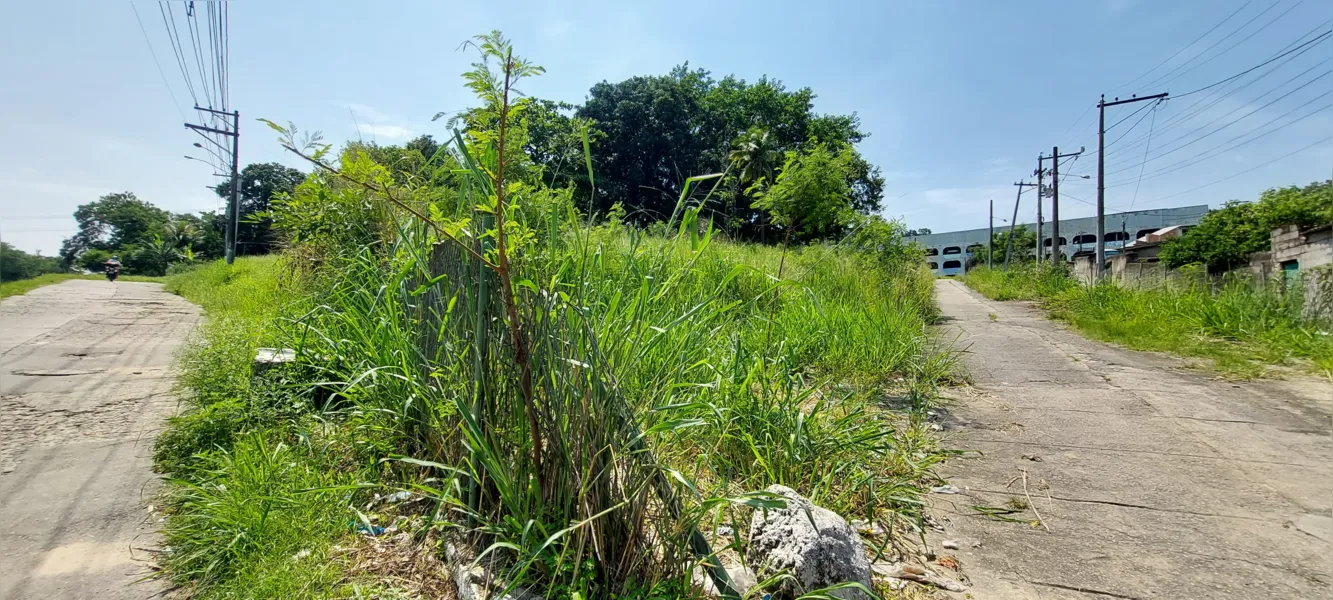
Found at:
[16, 264]
[148, 240]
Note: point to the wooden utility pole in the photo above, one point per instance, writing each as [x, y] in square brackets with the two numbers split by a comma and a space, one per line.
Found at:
[990, 238]
[1101, 173]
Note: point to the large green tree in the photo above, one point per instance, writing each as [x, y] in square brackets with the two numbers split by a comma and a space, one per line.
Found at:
[113, 222]
[259, 183]
[660, 130]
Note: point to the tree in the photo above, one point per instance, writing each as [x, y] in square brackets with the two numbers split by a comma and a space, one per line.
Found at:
[660, 130]
[259, 183]
[810, 196]
[917, 232]
[1224, 239]
[114, 221]
[1024, 241]
[16, 264]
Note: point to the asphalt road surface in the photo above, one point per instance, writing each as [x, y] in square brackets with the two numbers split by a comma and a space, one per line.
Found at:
[1155, 481]
[85, 386]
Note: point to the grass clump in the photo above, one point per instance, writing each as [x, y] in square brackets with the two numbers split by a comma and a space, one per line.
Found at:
[1241, 326]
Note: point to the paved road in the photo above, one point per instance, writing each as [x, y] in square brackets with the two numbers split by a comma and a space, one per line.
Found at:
[84, 387]
[1155, 481]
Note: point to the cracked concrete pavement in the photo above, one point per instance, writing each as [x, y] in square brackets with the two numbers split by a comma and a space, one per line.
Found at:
[84, 388]
[1156, 481]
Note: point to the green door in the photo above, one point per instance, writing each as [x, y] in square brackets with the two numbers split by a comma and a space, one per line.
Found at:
[1291, 273]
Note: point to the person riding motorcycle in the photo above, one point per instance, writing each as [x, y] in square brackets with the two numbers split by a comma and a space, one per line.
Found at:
[112, 268]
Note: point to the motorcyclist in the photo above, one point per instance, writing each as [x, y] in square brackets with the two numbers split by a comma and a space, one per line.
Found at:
[112, 268]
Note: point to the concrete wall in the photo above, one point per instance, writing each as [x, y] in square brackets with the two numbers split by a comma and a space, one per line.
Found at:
[1311, 249]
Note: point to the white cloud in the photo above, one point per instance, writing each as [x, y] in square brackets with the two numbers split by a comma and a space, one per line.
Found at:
[368, 113]
[388, 132]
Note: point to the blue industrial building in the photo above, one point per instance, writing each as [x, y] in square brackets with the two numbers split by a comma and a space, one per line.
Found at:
[948, 253]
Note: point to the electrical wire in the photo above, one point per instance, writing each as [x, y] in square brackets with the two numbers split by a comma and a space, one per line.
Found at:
[1186, 47]
[1205, 126]
[1186, 113]
[173, 35]
[1228, 36]
[1144, 164]
[1221, 149]
[1237, 120]
[174, 102]
[1235, 175]
[1233, 46]
[1136, 123]
[1321, 38]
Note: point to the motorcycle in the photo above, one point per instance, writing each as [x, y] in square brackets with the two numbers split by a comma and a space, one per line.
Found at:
[112, 272]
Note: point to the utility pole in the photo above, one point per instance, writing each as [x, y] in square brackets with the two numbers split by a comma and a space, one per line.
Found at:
[990, 238]
[1055, 197]
[1101, 172]
[1009, 244]
[1039, 173]
[233, 204]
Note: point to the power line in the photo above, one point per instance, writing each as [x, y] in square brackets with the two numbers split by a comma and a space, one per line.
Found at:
[1246, 71]
[1205, 136]
[1233, 46]
[1187, 162]
[1228, 113]
[1141, 109]
[1235, 175]
[1186, 114]
[1136, 123]
[1186, 47]
[174, 103]
[1154, 82]
[1144, 164]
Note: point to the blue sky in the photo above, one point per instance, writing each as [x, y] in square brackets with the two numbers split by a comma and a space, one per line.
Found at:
[959, 97]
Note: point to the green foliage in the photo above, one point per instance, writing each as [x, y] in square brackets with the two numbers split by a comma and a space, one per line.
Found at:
[260, 184]
[574, 400]
[16, 264]
[1241, 326]
[1224, 239]
[1023, 281]
[1025, 242]
[113, 222]
[660, 129]
[810, 195]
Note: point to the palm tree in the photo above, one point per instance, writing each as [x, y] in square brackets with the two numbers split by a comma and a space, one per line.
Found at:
[754, 154]
[180, 233]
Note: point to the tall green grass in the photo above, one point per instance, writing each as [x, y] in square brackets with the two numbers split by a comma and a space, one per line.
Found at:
[1241, 326]
[577, 402]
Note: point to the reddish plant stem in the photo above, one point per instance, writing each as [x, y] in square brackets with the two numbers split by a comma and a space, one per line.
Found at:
[507, 290]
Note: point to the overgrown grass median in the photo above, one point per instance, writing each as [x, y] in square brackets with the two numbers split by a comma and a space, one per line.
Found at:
[731, 399]
[1241, 327]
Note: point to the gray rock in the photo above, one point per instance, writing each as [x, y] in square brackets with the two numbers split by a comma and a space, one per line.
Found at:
[814, 545]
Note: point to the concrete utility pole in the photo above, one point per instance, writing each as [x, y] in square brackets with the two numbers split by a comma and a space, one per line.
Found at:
[990, 238]
[233, 204]
[1009, 244]
[1055, 157]
[1039, 173]
[1101, 173]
